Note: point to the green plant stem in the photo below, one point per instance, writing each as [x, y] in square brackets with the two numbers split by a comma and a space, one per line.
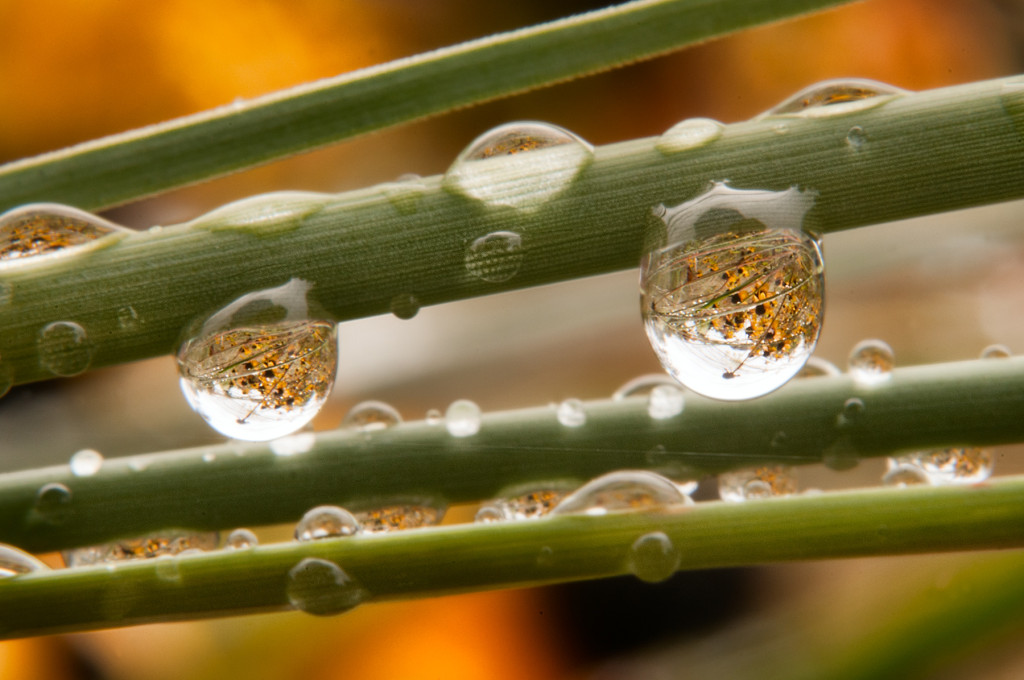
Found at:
[480, 557]
[247, 485]
[153, 159]
[928, 152]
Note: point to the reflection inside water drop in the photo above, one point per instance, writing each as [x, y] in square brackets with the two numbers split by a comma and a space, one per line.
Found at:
[14, 562]
[167, 542]
[65, 349]
[495, 257]
[621, 491]
[370, 416]
[871, 362]
[462, 419]
[762, 482]
[958, 465]
[399, 517]
[520, 506]
[322, 588]
[326, 521]
[834, 97]
[241, 539]
[47, 229]
[86, 463]
[653, 557]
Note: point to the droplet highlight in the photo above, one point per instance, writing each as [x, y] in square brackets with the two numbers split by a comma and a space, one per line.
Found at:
[871, 362]
[903, 475]
[653, 557]
[836, 97]
[571, 413]
[996, 352]
[86, 463]
[371, 416]
[14, 562]
[322, 588]
[689, 134]
[626, 490]
[65, 349]
[665, 401]
[45, 229]
[241, 539]
[53, 503]
[462, 419]
[762, 482]
[495, 257]
[326, 521]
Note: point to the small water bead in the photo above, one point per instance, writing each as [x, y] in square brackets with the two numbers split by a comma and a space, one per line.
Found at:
[47, 229]
[434, 417]
[370, 416]
[53, 502]
[856, 138]
[834, 97]
[399, 518]
[495, 257]
[622, 491]
[996, 352]
[653, 557]
[817, 367]
[903, 475]
[65, 349]
[86, 463]
[643, 384]
[168, 542]
[127, 318]
[871, 362]
[404, 306]
[571, 413]
[326, 521]
[462, 419]
[732, 291]
[322, 588]
[761, 482]
[261, 367]
[852, 410]
[241, 539]
[538, 161]
[294, 444]
[490, 513]
[14, 562]
[689, 134]
[963, 465]
[665, 401]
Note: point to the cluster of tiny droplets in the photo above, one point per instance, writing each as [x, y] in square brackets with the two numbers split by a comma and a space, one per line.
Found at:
[756, 292]
[37, 233]
[398, 518]
[280, 367]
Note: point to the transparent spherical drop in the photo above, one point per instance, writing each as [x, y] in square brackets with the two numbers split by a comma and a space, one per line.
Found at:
[816, 367]
[622, 491]
[519, 165]
[643, 384]
[689, 134]
[370, 416]
[293, 444]
[762, 482]
[404, 306]
[653, 557]
[462, 419]
[65, 349]
[665, 401]
[326, 521]
[240, 539]
[489, 513]
[900, 475]
[836, 97]
[871, 362]
[571, 413]
[434, 417]
[86, 463]
[14, 562]
[53, 502]
[996, 352]
[732, 292]
[322, 588]
[166, 542]
[495, 257]
[961, 465]
[400, 517]
[856, 138]
[41, 229]
[262, 367]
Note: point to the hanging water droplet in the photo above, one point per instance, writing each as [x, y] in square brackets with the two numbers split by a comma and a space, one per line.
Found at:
[732, 290]
[14, 562]
[400, 517]
[620, 491]
[167, 542]
[871, 362]
[322, 588]
[836, 97]
[959, 465]
[241, 539]
[434, 417]
[653, 557]
[53, 502]
[519, 506]
[571, 413]
[856, 138]
[127, 318]
[996, 352]
[294, 444]
[48, 229]
[262, 367]
[519, 165]
[495, 257]
[86, 463]
[404, 306]
[817, 367]
[462, 419]
[665, 401]
[370, 416]
[65, 349]
[689, 134]
[326, 521]
[643, 384]
[852, 410]
[762, 482]
[903, 475]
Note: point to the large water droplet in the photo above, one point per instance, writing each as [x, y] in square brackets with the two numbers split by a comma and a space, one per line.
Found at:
[961, 465]
[689, 134]
[260, 368]
[871, 362]
[322, 588]
[241, 539]
[294, 444]
[495, 257]
[462, 419]
[167, 542]
[996, 352]
[400, 517]
[836, 97]
[520, 165]
[665, 401]
[520, 506]
[14, 562]
[48, 229]
[53, 502]
[369, 416]
[653, 557]
[65, 349]
[86, 463]
[762, 482]
[732, 290]
[571, 413]
[621, 491]
[326, 521]
[642, 384]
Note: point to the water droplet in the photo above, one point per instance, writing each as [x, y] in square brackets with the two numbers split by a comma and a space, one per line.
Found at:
[64, 348]
[841, 454]
[996, 352]
[620, 491]
[489, 513]
[260, 368]
[86, 463]
[209, 457]
[871, 362]
[519, 506]
[53, 502]
[571, 413]
[643, 384]
[732, 290]
[167, 569]
[241, 539]
[653, 557]
[322, 588]
[167, 542]
[689, 134]
[762, 482]
[405, 195]
[835, 97]
[326, 521]
[962, 465]
[434, 417]
[370, 416]
[127, 318]
[400, 517]
[404, 306]
[14, 562]
[495, 257]
[519, 165]
[48, 229]
[903, 475]
[293, 445]
[817, 367]
[852, 410]
[462, 419]
[665, 401]
[856, 138]
[264, 215]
